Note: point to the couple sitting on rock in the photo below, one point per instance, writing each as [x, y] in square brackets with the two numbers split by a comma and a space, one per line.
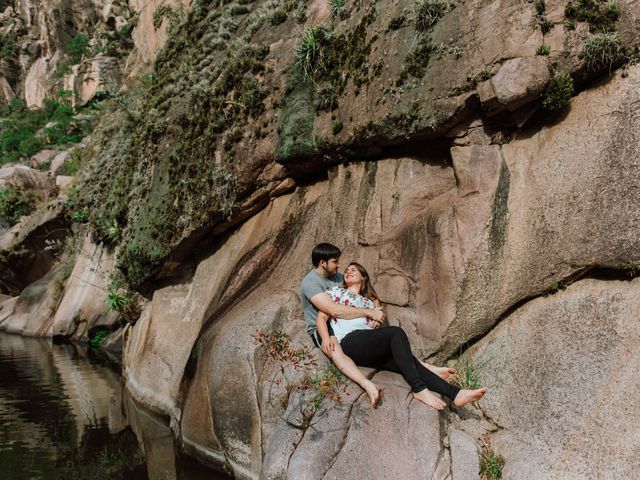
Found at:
[345, 319]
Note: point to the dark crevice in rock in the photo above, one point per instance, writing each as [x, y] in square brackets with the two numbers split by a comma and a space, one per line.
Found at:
[623, 272]
[344, 438]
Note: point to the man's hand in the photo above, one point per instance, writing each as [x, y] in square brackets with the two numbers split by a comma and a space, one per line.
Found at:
[377, 315]
[328, 346]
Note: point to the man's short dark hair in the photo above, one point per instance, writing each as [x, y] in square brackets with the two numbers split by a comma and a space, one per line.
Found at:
[324, 251]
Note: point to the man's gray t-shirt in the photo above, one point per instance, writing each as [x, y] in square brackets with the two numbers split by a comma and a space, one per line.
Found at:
[311, 285]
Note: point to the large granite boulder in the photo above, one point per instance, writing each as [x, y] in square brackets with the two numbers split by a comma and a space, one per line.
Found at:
[561, 375]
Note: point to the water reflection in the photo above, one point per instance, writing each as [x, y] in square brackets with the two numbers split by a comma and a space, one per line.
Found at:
[64, 415]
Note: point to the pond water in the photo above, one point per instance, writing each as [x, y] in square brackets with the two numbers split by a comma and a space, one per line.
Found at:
[64, 415]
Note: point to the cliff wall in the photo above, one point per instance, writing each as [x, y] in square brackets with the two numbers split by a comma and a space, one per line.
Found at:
[482, 165]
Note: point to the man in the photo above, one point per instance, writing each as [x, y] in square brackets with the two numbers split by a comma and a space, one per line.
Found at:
[325, 258]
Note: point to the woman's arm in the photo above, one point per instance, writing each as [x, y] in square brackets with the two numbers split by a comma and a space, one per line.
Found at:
[323, 331]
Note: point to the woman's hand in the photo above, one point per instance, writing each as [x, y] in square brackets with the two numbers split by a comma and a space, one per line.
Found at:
[328, 346]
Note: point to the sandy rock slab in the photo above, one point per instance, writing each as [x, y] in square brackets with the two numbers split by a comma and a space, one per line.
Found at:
[562, 380]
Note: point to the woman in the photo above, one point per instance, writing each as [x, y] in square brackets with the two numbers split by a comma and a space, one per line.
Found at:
[385, 348]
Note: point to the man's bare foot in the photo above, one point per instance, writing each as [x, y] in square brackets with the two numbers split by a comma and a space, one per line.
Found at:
[467, 396]
[428, 398]
[373, 391]
[444, 373]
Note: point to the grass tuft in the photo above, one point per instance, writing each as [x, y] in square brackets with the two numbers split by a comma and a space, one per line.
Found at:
[428, 12]
[491, 464]
[310, 54]
[559, 92]
[603, 51]
[543, 50]
[468, 373]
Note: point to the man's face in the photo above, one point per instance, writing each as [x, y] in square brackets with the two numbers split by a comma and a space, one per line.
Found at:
[332, 266]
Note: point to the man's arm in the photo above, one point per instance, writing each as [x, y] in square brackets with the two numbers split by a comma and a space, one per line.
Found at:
[324, 303]
[323, 331]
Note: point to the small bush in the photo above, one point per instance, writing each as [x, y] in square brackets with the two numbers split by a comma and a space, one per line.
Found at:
[559, 92]
[278, 17]
[310, 52]
[397, 22]
[418, 59]
[78, 47]
[543, 50]
[326, 98]
[603, 51]
[14, 205]
[428, 12]
[601, 15]
[491, 464]
[336, 127]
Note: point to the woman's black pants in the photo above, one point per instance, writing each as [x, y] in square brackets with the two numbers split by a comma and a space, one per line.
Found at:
[387, 348]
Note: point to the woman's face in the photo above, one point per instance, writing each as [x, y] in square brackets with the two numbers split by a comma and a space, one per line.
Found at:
[352, 275]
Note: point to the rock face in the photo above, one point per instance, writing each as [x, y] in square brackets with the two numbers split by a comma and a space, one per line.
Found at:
[97, 76]
[558, 369]
[28, 250]
[68, 301]
[461, 244]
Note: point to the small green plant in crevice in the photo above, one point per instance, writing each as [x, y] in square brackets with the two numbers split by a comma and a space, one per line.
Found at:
[603, 51]
[556, 286]
[632, 270]
[543, 50]
[329, 383]
[468, 372]
[119, 298]
[601, 15]
[491, 463]
[543, 22]
[472, 82]
[559, 92]
[310, 54]
[336, 6]
[336, 127]
[15, 204]
[428, 12]
[114, 231]
[81, 215]
[98, 337]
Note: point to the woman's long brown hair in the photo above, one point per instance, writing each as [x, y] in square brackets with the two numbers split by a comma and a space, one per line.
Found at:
[366, 289]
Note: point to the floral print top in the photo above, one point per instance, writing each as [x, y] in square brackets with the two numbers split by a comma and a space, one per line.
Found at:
[341, 328]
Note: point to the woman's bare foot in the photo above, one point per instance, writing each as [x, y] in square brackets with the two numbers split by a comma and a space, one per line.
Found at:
[428, 398]
[467, 396]
[443, 372]
[373, 391]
